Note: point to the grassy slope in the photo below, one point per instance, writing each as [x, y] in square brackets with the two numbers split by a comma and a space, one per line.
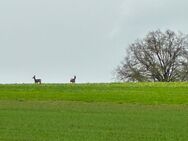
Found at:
[90, 112]
[79, 121]
[143, 93]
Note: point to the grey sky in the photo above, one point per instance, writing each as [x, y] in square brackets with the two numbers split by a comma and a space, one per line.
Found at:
[56, 39]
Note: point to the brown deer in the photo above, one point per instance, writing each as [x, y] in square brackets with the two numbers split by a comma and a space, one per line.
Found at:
[73, 80]
[37, 81]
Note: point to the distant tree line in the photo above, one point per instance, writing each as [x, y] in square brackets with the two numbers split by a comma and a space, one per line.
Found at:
[159, 57]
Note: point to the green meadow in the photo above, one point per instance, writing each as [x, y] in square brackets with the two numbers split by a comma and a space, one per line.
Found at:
[94, 112]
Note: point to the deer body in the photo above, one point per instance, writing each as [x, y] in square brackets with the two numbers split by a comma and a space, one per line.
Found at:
[37, 81]
[73, 80]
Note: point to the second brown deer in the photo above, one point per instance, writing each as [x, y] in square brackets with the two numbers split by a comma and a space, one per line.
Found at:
[73, 80]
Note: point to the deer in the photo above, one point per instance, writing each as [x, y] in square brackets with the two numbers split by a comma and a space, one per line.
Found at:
[37, 81]
[73, 80]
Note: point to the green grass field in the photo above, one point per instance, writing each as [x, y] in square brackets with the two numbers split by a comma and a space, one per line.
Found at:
[94, 112]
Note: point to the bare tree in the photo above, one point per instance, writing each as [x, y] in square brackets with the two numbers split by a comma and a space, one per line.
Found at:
[160, 56]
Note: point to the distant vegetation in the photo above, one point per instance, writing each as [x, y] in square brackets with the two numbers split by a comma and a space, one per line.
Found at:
[160, 56]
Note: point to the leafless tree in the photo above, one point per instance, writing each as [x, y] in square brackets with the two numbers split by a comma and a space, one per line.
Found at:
[160, 56]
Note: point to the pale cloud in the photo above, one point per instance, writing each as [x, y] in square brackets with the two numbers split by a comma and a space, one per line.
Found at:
[60, 38]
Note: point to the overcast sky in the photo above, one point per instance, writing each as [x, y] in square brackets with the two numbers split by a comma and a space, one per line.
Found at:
[56, 39]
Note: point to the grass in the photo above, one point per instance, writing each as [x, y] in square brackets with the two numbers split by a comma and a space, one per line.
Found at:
[139, 93]
[94, 112]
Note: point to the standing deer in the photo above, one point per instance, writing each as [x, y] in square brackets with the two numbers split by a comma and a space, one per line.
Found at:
[37, 81]
[73, 80]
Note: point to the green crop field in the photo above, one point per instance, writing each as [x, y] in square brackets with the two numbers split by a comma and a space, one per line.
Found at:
[94, 112]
